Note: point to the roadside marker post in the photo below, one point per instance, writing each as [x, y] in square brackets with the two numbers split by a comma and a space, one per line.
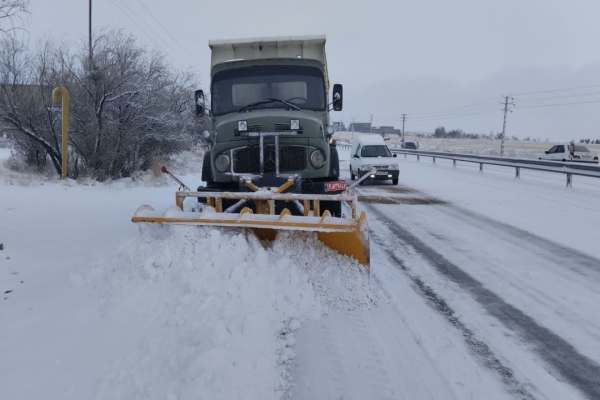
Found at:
[60, 95]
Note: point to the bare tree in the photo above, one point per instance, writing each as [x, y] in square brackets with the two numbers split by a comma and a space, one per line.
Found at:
[127, 108]
[10, 12]
[23, 106]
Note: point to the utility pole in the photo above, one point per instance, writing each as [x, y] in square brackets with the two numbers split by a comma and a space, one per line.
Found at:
[403, 122]
[90, 54]
[508, 101]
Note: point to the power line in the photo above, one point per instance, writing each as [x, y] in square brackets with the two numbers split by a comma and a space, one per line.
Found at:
[149, 26]
[563, 96]
[538, 99]
[453, 110]
[453, 115]
[148, 31]
[595, 101]
[556, 90]
[158, 22]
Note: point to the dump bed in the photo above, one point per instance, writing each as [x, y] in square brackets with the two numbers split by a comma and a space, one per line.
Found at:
[310, 47]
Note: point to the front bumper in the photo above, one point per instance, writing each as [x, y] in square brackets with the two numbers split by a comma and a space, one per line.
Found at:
[301, 185]
[382, 175]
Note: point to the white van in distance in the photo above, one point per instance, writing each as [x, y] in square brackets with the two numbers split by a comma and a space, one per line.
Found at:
[569, 152]
[370, 152]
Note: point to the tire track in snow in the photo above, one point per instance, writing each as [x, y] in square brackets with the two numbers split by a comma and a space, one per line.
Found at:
[575, 260]
[478, 346]
[576, 368]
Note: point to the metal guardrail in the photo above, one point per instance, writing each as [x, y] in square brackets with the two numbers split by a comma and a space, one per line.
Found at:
[569, 169]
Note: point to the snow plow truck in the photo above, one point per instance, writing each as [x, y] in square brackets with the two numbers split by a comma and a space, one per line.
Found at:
[271, 163]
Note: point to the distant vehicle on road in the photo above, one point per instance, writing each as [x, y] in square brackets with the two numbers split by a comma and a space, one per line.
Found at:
[370, 152]
[409, 145]
[569, 152]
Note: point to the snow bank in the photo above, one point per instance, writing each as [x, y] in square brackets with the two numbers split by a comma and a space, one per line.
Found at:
[211, 313]
[101, 309]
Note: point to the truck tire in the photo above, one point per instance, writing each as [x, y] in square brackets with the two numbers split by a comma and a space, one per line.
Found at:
[334, 166]
[206, 169]
[395, 181]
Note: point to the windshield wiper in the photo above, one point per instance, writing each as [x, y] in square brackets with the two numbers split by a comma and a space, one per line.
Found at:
[267, 101]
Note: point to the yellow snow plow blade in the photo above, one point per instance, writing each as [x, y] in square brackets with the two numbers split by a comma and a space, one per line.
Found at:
[347, 235]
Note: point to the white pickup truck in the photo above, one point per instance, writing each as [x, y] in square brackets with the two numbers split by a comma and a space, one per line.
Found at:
[569, 152]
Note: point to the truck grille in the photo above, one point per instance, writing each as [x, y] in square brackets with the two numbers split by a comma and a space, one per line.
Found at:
[247, 159]
[282, 126]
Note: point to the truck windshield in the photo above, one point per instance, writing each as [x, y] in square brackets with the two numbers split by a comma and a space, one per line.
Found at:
[375, 151]
[250, 88]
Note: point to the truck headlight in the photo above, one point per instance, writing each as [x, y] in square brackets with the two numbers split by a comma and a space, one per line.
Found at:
[295, 124]
[222, 162]
[317, 158]
[242, 126]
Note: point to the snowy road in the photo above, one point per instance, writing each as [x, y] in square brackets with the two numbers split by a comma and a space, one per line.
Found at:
[525, 316]
[523, 306]
[472, 295]
[520, 280]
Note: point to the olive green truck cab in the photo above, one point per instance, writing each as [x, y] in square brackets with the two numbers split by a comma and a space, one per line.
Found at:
[269, 115]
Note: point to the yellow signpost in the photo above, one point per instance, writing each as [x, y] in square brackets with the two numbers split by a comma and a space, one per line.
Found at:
[61, 95]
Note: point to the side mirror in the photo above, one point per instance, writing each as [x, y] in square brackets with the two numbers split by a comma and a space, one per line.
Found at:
[355, 156]
[338, 97]
[547, 152]
[200, 102]
[395, 155]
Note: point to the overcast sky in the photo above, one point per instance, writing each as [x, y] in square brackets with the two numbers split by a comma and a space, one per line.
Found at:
[442, 62]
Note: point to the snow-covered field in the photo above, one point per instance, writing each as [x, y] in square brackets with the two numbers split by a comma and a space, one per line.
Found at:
[482, 287]
[487, 147]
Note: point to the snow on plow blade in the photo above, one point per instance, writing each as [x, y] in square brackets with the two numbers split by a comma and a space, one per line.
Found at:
[346, 235]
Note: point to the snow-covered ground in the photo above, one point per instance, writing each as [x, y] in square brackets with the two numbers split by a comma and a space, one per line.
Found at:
[481, 287]
[489, 147]
[538, 202]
